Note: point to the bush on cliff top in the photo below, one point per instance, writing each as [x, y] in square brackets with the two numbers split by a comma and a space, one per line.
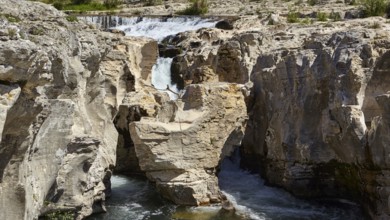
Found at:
[198, 7]
[374, 7]
[152, 2]
[83, 5]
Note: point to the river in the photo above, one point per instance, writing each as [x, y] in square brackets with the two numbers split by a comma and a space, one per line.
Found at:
[134, 198]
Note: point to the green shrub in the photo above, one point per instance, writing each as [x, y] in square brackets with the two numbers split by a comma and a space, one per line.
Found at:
[198, 7]
[152, 2]
[112, 3]
[59, 5]
[312, 2]
[12, 32]
[322, 16]
[374, 7]
[335, 16]
[11, 18]
[306, 21]
[79, 2]
[72, 18]
[60, 215]
[292, 17]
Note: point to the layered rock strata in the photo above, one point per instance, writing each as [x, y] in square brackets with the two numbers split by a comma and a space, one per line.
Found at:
[61, 84]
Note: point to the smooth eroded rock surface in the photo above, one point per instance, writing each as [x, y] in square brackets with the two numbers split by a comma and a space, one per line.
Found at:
[61, 85]
[182, 146]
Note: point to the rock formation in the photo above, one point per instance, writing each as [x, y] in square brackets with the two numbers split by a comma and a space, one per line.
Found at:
[318, 108]
[71, 97]
[180, 148]
[61, 84]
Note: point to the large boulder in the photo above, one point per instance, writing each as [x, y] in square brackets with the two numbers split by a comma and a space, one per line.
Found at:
[181, 147]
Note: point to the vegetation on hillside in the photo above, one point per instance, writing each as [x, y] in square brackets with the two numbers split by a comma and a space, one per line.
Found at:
[198, 7]
[375, 7]
[152, 2]
[83, 5]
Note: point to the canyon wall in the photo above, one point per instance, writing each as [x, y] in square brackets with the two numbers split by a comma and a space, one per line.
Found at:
[318, 108]
[308, 105]
[61, 85]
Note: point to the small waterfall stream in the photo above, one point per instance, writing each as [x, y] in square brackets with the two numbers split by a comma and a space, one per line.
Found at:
[158, 29]
[133, 198]
[161, 76]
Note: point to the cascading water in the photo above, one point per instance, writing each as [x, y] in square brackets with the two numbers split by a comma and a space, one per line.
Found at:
[134, 198]
[161, 76]
[158, 29]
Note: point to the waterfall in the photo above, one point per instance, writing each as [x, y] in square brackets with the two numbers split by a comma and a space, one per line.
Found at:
[161, 76]
[158, 29]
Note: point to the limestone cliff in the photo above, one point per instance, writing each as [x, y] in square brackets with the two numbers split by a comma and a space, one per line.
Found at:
[61, 84]
[318, 109]
[72, 97]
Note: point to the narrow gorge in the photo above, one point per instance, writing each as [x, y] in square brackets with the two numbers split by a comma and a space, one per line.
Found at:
[192, 118]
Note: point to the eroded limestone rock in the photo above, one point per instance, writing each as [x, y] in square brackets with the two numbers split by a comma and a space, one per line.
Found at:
[61, 85]
[318, 107]
[181, 147]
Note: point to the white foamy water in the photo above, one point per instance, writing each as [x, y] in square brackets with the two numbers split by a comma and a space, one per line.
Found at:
[161, 77]
[256, 201]
[158, 29]
[133, 199]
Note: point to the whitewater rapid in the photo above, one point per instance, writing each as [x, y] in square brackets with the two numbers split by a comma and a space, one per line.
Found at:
[156, 28]
[252, 198]
[134, 198]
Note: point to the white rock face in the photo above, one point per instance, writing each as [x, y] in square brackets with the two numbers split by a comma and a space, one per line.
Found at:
[61, 84]
[182, 146]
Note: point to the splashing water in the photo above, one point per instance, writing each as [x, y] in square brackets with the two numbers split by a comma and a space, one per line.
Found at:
[257, 201]
[134, 198]
[156, 28]
[161, 77]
